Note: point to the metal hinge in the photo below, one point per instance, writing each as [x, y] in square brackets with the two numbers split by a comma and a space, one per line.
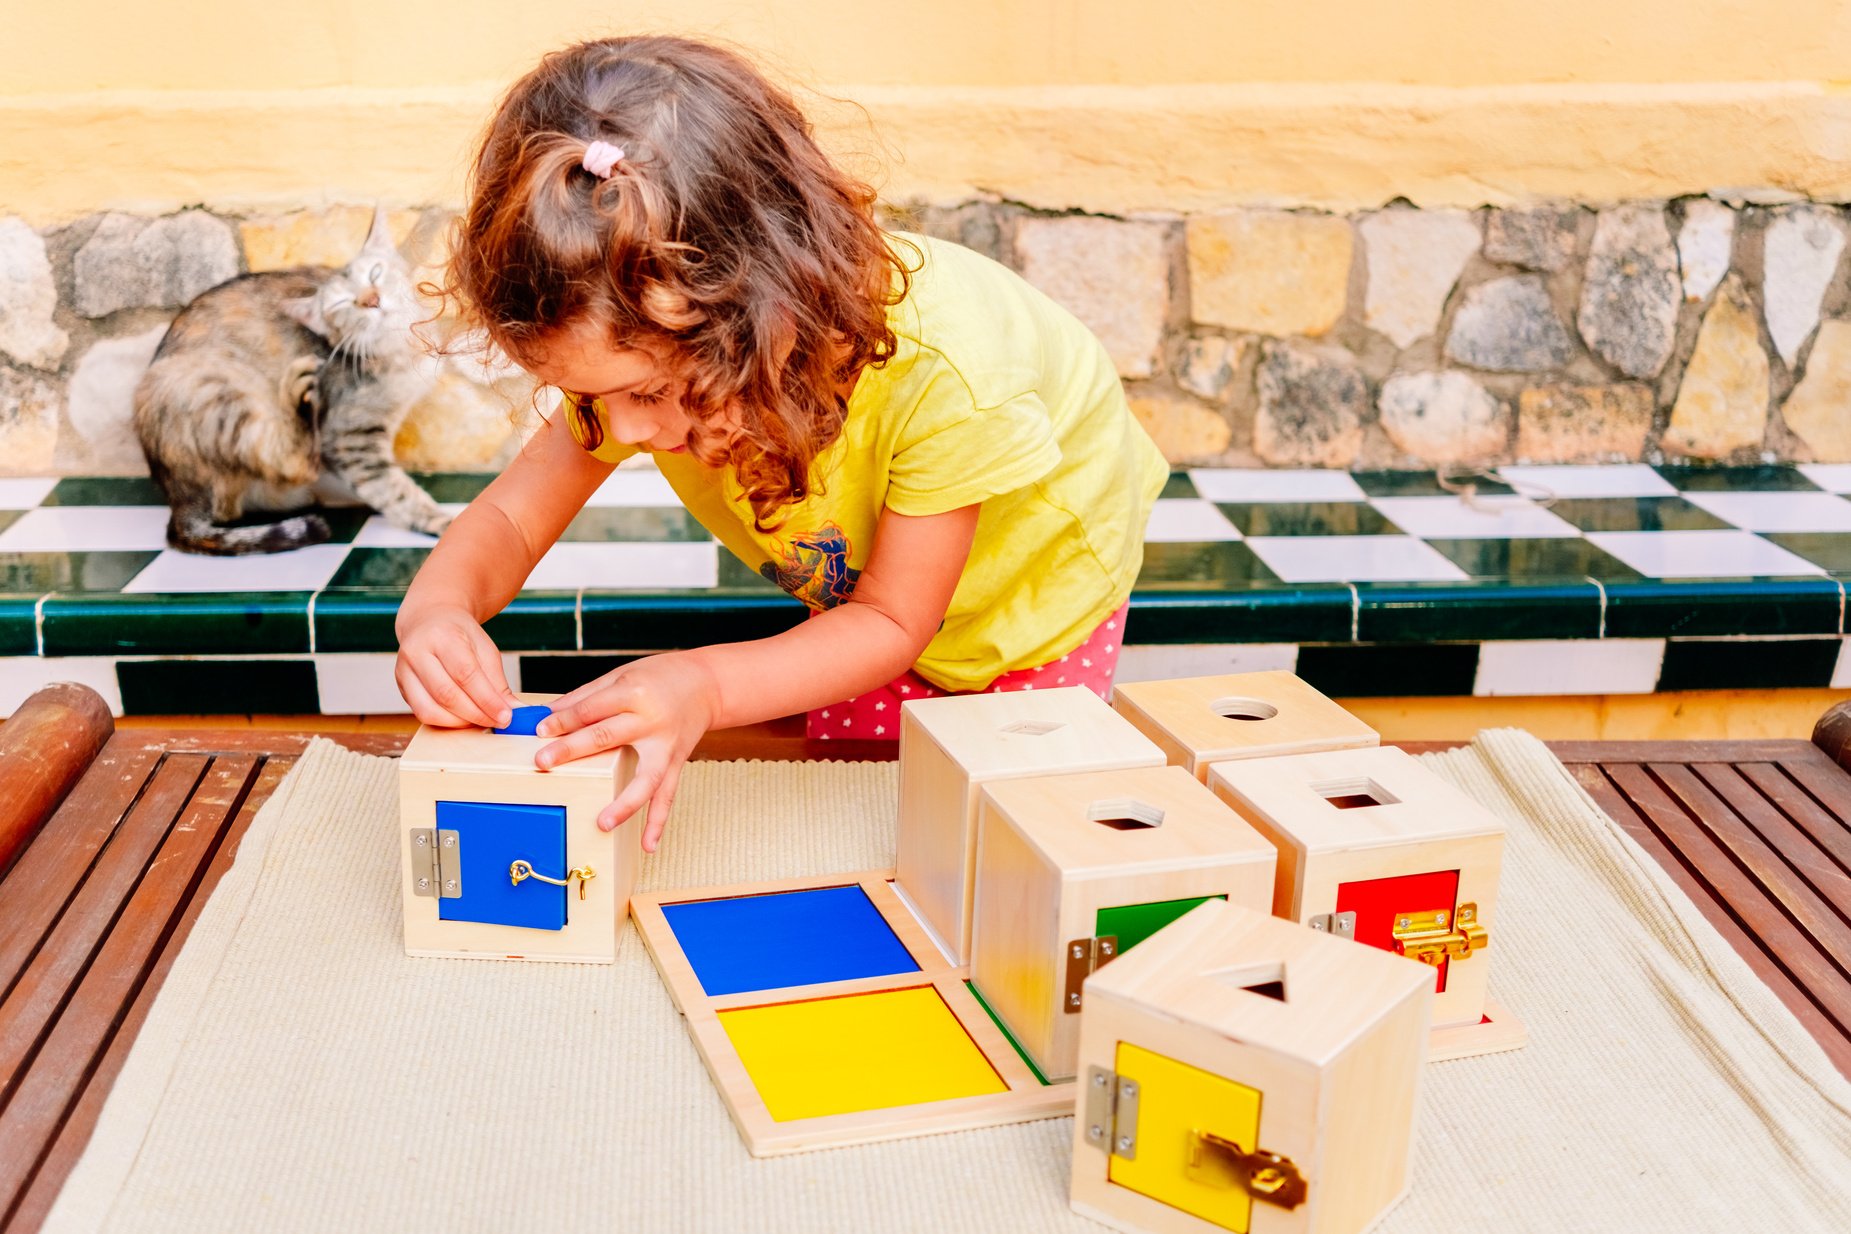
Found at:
[436, 863]
[1337, 925]
[1112, 1113]
[1084, 957]
[1424, 936]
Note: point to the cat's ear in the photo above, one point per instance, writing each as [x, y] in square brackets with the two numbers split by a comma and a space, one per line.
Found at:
[306, 312]
[379, 236]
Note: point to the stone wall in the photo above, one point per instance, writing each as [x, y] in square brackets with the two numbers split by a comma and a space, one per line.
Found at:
[1701, 328]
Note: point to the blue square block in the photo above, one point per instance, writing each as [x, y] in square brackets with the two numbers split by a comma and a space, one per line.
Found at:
[522, 721]
[790, 938]
[491, 837]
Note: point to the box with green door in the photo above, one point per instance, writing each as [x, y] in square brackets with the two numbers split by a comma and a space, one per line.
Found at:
[1074, 870]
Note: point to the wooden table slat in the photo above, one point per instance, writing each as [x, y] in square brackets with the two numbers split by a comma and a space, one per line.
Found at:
[1831, 835]
[89, 914]
[1610, 798]
[1827, 784]
[89, 1014]
[61, 1157]
[1786, 944]
[38, 887]
[1613, 753]
[1778, 882]
[1789, 843]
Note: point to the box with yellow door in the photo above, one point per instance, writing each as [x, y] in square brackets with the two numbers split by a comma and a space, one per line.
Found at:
[1375, 848]
[1238, 1072]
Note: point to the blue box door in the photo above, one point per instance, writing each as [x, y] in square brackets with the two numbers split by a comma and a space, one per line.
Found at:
[491, 838]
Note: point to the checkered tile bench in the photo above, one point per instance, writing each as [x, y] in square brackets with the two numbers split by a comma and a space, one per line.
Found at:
[1558, 580]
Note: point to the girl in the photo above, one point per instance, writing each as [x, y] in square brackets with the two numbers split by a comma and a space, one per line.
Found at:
[932, 455]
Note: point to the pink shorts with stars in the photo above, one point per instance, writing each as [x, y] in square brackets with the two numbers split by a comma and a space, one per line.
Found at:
[875, 716]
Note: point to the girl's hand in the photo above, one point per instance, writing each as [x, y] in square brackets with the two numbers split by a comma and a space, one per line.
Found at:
[449, 670]
[659, 706]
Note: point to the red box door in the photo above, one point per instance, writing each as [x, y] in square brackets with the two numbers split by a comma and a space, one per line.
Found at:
[1377, 901]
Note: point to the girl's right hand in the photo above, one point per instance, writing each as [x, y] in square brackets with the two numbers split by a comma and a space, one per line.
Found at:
[449, 670]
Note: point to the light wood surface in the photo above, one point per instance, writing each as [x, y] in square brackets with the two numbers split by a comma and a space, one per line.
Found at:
[1046, 867]
[949, 747]
[1346, 1046]
[1203, 720]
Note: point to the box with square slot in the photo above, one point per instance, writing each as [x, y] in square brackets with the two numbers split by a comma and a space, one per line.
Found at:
[1203, 720]
[951, 747]
[505, 861]
[1376, 848]
[1238, 1072]
[1075, 870]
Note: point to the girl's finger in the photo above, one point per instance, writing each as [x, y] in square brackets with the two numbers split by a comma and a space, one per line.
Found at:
[466, 689]
[489, 657]
[660, 803]
[635, 794]
[607, 733]
[423, 705]
[568, 712]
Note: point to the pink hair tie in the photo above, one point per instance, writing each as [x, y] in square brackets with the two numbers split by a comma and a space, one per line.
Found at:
[601, 158]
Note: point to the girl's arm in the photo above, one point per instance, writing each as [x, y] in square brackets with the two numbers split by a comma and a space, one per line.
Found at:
[448, 669]
[663, 704]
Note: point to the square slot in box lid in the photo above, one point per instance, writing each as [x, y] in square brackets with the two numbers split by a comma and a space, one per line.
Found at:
[1267, 983]
[1126, 821]
[481, 749]
[1025, 732]
[1199, 720]
[1341, 800]
[784, 939]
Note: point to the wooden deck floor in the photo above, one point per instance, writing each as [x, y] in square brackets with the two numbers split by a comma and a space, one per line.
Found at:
[96, 907]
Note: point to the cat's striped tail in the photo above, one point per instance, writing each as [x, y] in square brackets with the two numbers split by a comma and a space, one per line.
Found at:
[191, 530]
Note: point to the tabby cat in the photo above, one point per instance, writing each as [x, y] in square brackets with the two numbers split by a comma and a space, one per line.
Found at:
[264, 381]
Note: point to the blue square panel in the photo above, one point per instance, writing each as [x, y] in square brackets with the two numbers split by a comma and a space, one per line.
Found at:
[791, 938]
[492, 837]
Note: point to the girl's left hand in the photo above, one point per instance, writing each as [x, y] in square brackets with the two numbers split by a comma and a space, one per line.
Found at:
[659, 706]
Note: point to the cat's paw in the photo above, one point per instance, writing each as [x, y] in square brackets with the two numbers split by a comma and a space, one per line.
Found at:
[433, 524]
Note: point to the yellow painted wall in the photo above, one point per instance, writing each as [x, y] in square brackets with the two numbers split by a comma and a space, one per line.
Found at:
[1165, 104]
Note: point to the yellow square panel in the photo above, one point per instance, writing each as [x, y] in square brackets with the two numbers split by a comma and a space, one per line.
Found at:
[1176, 1100]
[859, 1052]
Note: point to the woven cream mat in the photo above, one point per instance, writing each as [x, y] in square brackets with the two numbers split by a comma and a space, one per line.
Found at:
[298, 1072]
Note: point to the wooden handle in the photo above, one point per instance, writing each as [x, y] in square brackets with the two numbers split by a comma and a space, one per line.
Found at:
[46, 745]
[1833, 734]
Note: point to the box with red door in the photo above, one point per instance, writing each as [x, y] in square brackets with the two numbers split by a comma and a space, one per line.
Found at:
[1375, 847]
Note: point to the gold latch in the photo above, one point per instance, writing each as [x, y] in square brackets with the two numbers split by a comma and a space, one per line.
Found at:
[521, 870]
[1425, 937]
[1215, 1161]
[1084, 957]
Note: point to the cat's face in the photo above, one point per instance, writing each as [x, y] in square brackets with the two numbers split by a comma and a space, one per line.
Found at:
[368, 307]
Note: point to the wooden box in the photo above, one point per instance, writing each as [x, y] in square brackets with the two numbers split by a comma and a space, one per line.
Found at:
[1075, 870]
[1202, 720]
[1238, 1072]
[951, 747]
[505, 861]
[1375, 847]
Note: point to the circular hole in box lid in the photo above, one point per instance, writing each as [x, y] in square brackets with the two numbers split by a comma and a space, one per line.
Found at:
[1125, 814]
[1237, 708]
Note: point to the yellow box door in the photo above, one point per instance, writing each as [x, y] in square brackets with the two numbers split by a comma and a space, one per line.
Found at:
[1175, 1101]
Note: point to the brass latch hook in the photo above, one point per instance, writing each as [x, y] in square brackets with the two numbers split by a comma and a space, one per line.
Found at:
[521, 870]
[1217, 1161]
[1423, 936]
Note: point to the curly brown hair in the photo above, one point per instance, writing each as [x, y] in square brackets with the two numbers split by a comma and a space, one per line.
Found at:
[724, 238]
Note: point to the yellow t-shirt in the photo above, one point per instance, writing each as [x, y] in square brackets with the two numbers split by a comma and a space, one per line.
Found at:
[996, 395]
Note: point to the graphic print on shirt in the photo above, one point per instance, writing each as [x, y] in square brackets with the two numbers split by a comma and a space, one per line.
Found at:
[815, 568]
